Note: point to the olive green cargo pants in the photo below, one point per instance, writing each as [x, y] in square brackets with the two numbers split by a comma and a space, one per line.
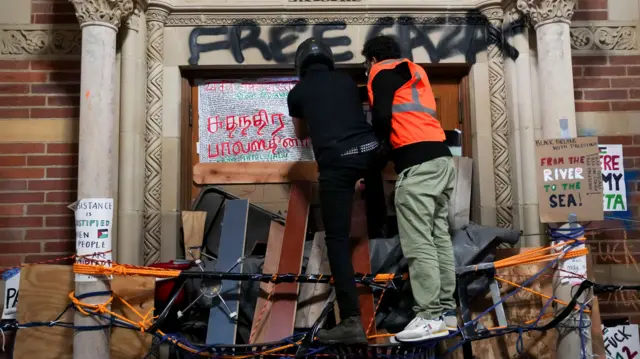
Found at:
[422, 205]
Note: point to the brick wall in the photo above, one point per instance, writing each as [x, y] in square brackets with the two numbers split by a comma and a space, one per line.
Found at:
[38, 180]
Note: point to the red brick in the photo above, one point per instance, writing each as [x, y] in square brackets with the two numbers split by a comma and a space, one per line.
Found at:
[577, 71]
[13, 65]
[19, 148]
[590, 15]
[62, 172]
[9, 161]
[11, 234]
[606, 94]
[70, 76]
[22, 197]
[631, 151]
[626, 82]
[627, 162]
[589, 60]
[14, 113]
[636, 139]
[577, 95]
[592, 4]
[61, 7]
[19, 247]
[15, 101]
[625, 60]
[59, 221]
[605, 71]
[73, 100]
[592, 106]
[17, 173]
[12, 186]
[54, 19]
[53, 185]
[20, 77]
[65, 197]
[50, 233]
[62, 148]
[49, 259]
[10, 260]
[52, 160]
[20, 222]
[633, 70]
[43, 8]
[55, 65]
[13, 89]
[615, 140]
[634, 94]
[591, 83]
[11, 210]
[625, 106]
[60, 112]
[64, 246]
[49, 209]
[55, 88]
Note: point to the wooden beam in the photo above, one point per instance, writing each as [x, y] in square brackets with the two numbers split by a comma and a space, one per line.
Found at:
[193, 228]
[262, 172]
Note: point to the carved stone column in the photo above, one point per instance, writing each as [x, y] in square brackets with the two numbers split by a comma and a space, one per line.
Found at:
[499, 122]
[156, 18]
[551, 19]
[133, 75]
[99, 21]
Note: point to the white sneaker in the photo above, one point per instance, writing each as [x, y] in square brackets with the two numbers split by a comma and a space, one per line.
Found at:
[420, 329]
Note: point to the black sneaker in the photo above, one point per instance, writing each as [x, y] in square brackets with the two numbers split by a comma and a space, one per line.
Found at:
[348, 332]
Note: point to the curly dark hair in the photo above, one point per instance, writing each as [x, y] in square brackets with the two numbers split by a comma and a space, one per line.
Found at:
[381, 47]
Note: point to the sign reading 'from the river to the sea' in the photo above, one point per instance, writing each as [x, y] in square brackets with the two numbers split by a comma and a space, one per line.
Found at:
[569, 179]
[248, 121]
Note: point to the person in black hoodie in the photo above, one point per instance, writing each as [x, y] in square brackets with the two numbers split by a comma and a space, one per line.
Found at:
[326, 107]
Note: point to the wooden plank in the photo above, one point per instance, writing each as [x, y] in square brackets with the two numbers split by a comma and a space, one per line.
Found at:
[262, 172]
[263, 306]
[285, 298]
[221, 328]
[44, 294]
[460, 203]
[139, 292]
[313, 296]
[193, 228]
[361, 259]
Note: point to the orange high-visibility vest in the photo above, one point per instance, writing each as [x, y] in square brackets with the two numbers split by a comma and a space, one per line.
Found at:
[414, 107]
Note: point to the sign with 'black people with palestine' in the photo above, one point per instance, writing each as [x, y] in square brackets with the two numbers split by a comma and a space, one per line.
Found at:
[569, 179]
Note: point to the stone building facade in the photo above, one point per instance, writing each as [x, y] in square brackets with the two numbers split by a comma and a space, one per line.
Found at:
[519, 66]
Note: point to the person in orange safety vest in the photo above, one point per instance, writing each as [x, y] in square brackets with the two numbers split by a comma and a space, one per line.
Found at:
[404, 116]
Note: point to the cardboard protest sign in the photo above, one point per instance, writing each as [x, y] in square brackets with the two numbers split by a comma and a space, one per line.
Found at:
[94, 218]
[621, 342]
[614, 188]
[569, 179]
[11, 290]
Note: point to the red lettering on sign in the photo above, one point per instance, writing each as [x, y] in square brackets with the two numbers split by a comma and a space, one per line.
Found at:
[630, 355]
[551, 161]
[610, 162]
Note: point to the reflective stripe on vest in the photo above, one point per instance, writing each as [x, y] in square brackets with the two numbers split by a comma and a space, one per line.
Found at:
[415, 105]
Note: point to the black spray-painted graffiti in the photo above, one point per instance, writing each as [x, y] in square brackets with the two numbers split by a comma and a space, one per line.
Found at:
[278, 46]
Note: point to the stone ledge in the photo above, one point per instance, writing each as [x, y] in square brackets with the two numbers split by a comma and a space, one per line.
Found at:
[29, 41]
[604, 38]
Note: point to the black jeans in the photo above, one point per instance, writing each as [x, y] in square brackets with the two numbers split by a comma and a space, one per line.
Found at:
[337, 187]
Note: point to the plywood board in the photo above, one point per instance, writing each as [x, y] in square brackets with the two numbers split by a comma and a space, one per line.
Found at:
[193, 223]
[285, 298]
[46, 288]
[221, 328]
[313, 296]
[139, 292]
[270, 266]
[44, 294]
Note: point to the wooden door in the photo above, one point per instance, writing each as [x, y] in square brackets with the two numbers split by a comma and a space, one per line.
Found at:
[447, 96]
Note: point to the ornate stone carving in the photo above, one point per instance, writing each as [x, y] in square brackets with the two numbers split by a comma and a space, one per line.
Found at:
[421, 19]
[542, 11]
[106, 11]
[591, 37]
[153, 144]
[40, 42]
[499, 122]
[133, 22]
[325, 0]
